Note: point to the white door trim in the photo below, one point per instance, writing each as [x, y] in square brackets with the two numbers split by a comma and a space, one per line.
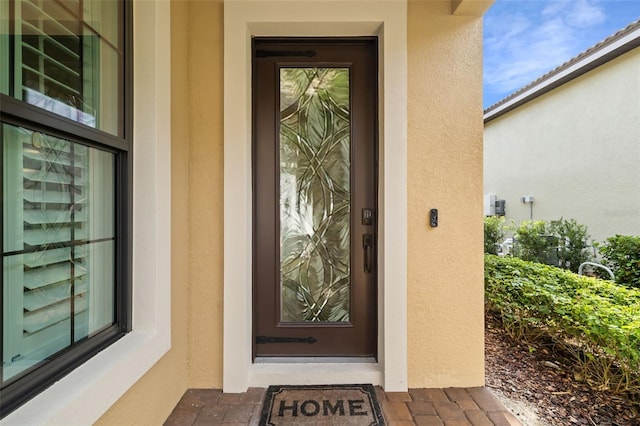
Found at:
[388, 20]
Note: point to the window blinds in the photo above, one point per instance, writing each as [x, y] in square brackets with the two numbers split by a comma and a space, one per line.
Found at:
[49, 175]
[48, 272]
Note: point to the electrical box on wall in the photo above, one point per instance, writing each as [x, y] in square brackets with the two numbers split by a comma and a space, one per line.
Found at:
[500, 208]
[489, 204]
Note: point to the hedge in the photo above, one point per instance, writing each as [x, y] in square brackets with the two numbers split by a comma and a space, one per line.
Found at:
[622, 254]
[597, 321]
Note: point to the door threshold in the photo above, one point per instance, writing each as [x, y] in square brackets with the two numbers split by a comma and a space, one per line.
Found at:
[317, 371]
[313, 360]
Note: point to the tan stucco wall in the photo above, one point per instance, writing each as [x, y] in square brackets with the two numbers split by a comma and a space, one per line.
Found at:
[445, 264]
[196, 168]
[445, 172]
[205, 192]
[575, 149]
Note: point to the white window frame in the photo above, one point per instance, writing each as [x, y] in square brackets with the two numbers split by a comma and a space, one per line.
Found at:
[86, 393]
[388, 20]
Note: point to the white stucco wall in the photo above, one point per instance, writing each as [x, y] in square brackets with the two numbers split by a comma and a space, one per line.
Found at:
[576, 150]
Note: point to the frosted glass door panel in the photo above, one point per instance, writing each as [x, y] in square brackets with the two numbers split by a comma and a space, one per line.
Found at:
[315, 195]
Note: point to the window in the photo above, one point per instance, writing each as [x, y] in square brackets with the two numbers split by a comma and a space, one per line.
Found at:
[66, 176]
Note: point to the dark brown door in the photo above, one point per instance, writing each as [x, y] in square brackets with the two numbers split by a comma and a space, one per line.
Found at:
[314, 197]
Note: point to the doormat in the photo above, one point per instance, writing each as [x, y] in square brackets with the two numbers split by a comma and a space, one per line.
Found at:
[321, 405]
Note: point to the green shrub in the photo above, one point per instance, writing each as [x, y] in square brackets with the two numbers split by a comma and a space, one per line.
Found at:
[493, 233]
[597, 321]
[533, 242]
[573, 243]
[563, 243]
[622, 254]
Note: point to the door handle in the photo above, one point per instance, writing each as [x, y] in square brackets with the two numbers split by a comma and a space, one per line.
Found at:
[367, 244]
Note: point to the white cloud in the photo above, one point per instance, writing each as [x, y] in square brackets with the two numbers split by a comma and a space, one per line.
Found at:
[521, 47]
[585, 14]
[575, 13]
[555, 7]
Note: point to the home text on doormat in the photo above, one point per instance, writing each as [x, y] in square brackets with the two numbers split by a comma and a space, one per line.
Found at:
[349, 405]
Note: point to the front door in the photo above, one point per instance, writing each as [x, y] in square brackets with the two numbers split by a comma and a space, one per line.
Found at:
[315, 197]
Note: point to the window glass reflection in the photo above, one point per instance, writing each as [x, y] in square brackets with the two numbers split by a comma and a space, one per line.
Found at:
[65, 57]
[58, 246]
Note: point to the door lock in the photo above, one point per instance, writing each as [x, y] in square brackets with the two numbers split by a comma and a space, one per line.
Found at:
[367, 216]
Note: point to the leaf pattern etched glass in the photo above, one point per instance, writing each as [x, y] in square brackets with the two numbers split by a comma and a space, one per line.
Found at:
[315, 183]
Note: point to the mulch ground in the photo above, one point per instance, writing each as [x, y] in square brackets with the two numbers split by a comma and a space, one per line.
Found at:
[538, 375]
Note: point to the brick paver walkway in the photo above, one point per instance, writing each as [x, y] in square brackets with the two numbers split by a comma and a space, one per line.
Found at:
[448, 407]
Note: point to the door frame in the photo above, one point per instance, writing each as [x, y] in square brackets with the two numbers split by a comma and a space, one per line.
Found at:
[387, 20]
[356, 336]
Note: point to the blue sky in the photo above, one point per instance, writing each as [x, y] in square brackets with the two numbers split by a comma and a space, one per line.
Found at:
[524, 39]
